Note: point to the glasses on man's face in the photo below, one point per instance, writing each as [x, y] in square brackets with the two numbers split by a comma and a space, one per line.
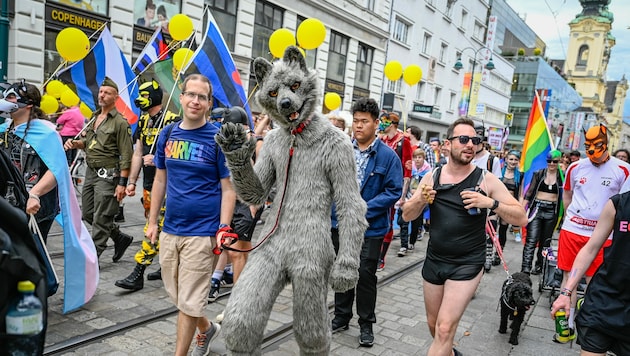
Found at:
[463, 139]
[190, 95]
[553, 160]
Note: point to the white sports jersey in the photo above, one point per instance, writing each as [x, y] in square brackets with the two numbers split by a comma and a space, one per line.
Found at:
[592, 186]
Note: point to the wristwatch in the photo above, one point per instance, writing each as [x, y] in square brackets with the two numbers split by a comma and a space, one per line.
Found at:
[495, 205]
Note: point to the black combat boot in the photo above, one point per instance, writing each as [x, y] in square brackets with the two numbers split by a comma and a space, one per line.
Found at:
[155, 275]
[120, 217]
[121, 242]
[135, 281]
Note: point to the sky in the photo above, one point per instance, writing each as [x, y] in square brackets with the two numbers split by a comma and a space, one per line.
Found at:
[550, 19]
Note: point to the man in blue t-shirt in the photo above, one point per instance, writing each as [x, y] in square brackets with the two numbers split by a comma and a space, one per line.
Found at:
[191, 171]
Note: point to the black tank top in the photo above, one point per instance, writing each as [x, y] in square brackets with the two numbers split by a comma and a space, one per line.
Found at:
[456, 236]
[606, 303]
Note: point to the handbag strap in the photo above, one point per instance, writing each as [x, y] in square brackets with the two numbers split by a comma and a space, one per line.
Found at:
[32, 225]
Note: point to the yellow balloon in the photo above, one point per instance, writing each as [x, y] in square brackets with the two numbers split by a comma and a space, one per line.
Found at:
[49, 104]
[332, 101]
[85, 110]
[412, 74]
[393, 70]
[69, 98]
[180, 27]
[311, 33]
[279, 40]
[181, 58]
[55, 88]
[72, 44]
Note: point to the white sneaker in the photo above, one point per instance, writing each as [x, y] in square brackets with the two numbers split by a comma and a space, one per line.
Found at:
[402, 252]
[219, 318]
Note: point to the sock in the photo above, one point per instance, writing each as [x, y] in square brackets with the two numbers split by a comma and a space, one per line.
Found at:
[571, 318]
[228, 269]
[217, 274]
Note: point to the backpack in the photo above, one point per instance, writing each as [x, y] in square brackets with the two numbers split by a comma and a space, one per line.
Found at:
[12, 187]
[490, 163]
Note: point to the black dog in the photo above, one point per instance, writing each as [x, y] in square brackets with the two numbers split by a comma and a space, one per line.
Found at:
[516, 299]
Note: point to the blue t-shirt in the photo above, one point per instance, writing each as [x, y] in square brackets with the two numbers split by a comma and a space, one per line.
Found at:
[194, 166]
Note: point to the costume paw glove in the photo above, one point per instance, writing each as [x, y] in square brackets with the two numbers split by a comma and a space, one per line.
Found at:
[344, 276]
[237, 148]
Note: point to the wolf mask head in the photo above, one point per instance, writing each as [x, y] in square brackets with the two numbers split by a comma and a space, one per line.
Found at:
[288, 90]
[596, 144]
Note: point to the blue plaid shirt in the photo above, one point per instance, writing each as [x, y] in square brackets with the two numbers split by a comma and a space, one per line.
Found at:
[361, 159]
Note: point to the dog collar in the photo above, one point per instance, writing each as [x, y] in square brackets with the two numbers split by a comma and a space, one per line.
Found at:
[302, 125]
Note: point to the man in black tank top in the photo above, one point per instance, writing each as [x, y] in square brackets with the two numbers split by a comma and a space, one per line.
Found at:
[460, 197]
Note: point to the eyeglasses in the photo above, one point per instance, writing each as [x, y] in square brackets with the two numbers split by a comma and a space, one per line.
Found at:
[553, 160]
[190, 95]
[463, 139]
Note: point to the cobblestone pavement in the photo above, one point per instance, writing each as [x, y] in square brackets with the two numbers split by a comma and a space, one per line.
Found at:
[400, 329]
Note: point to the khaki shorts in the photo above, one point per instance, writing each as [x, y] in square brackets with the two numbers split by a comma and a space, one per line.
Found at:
[187, 264]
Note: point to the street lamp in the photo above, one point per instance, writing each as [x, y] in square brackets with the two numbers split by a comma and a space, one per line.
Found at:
[458, 65]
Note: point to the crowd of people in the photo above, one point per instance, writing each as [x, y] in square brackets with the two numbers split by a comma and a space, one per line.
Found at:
[447, 189]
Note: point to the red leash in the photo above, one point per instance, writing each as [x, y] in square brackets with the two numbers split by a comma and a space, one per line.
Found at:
[495, 240]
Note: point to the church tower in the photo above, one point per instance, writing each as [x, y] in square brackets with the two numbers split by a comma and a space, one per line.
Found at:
[590, 45]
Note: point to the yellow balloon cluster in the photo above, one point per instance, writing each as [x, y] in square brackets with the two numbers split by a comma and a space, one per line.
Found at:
[55, 88]
[180, 27]
[310, 34]
[69, 98]
[181, 58]
[72, 44]
[332, 101]
[411, 75]
[49, 104]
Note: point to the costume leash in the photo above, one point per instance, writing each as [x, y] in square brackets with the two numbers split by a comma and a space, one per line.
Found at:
[495, 240]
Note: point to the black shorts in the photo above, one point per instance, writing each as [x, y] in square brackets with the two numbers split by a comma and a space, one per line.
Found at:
[597, 341]
[436, 272]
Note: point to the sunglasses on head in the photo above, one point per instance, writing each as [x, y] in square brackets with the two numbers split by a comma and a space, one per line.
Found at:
[463, 139]
[553, 160]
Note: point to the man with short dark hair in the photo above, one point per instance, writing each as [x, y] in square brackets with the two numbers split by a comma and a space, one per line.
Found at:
[379, 173]
[108, 151]
[459, 195]
[575, 155]
[190, 167]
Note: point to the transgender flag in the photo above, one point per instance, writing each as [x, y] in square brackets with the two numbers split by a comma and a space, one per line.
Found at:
[537, 143]
[79, 254]
[105, 59]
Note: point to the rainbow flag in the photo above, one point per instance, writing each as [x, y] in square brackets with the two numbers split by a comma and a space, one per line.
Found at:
[81, 274]
[105, 59]
[537, 143]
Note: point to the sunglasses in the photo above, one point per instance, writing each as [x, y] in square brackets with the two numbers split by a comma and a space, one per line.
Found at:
[553, 160]
[463, 139]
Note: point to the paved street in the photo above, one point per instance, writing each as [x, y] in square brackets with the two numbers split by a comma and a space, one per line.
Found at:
[400, 330]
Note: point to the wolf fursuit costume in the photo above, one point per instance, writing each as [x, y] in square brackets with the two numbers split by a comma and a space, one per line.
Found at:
[311, 164]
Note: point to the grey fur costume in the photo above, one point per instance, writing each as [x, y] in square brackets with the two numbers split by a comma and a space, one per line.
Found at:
[299, 251]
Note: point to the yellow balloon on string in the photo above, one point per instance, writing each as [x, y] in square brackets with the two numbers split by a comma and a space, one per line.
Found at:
[279, 40]
[412, 74]
[332, 101]
[311, 33]
[72, 44]
[49, 104]
[85, 110]
[55, 88]
[393, 70]
[181, 58]
[69, 98]
[180, 27]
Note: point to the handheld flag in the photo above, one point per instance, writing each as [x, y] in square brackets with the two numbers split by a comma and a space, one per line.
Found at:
[105, 60]
[213, 59]
[537, 143]
[155, 50]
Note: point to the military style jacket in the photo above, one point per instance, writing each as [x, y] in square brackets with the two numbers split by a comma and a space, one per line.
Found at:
[109, 146]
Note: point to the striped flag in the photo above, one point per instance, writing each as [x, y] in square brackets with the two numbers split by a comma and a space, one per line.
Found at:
[105, 59]
[81, 272]
[155, 50]
[537, 143]
[165, 75]
[213, 59]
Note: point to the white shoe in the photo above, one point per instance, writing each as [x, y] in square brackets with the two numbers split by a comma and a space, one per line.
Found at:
[219, 318]
[517, 237]
[402, 252]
